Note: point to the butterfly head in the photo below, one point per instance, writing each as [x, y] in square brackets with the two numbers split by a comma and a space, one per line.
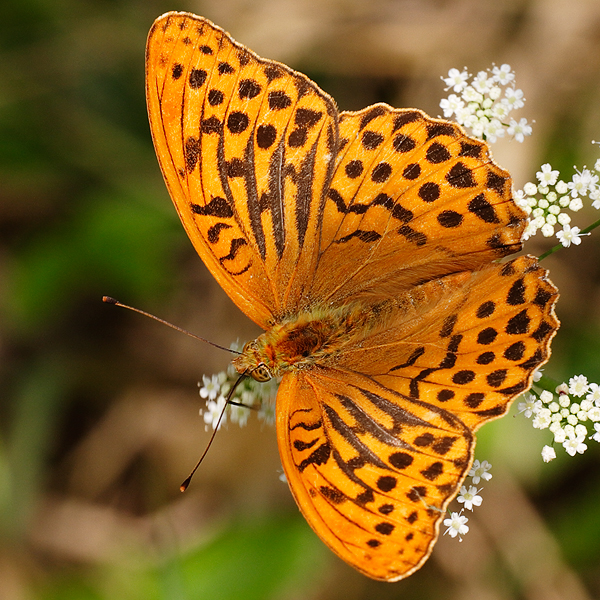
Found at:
[252, 362]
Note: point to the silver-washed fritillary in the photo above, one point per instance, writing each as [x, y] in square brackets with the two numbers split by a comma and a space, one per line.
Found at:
[366, 244]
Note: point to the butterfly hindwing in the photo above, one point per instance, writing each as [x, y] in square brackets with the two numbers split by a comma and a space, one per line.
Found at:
[371, 473]
[468, 343]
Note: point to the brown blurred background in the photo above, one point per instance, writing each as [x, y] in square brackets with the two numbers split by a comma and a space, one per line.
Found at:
[99, 407]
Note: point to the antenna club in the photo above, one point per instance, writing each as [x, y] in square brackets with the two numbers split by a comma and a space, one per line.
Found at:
[109, 300]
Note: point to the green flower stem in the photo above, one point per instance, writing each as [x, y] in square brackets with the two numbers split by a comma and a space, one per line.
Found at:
[558, 246]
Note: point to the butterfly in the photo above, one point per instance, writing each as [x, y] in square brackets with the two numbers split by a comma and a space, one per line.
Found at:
[366, 244]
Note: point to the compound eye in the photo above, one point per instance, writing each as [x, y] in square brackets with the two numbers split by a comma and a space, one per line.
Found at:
[261, 373]
[249, 346]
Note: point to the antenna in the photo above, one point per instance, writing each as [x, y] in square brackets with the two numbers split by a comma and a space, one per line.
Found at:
[109, 300]
[186, 483]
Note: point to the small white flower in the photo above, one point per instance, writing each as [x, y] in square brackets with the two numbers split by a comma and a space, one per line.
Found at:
[530, 405]
[576, 204]
[464, 116]
[594, 395]
[560, 435]
[239, 414]
[564, 201]
[212, 386]
[213, 412]
[555, 423]
[581, 183]
[469, 497]
[519, 129]
[547, 230]
[500, 110]
[457, 525]
[563, 219]
[537, 375]
[493, 130]
[596, 436]
[451, 104]
[548, 453]
[570, 235]
[479, 471]
[495, 93]
[554, 209]
[578, 385]
[594, 413]
[482, 83]
[529, 231]
[456, 79]
[546, 175]
[542, 419]
[561, 187]
[514, 98]
[575, 444]
[543, 203]
[530, 188]
[503, 74]
[580, 430]
[470, 94]
[546, 396]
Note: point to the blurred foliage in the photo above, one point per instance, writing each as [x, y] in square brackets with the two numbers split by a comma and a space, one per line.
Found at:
[97, 417]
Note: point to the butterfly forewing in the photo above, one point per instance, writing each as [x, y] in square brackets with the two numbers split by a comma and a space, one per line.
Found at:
[246, 146]
[411, 198]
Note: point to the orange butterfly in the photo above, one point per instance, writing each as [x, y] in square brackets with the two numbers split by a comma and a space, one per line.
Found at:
[364, 243]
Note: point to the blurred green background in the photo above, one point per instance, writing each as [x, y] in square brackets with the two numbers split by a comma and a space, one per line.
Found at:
[99, 407]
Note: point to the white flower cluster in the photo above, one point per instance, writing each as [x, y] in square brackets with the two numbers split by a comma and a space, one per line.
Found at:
[249, 393]
[485, 103]
[456, 523]
[546, 202]
[567, 419]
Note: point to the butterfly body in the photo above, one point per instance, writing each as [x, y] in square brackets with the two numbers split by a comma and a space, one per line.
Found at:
[313, 337]
[367, 246]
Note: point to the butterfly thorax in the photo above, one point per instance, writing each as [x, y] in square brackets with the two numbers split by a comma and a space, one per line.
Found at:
[301, 341]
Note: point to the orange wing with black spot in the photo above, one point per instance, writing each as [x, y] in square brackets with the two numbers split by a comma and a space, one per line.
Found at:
[246, 146]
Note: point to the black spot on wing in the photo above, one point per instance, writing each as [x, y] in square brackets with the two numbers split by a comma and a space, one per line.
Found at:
[217, 207]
